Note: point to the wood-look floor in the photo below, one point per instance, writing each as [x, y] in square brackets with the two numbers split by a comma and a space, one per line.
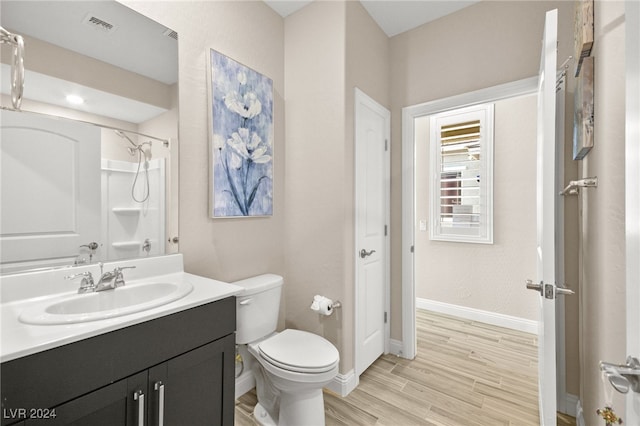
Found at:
[465, 374]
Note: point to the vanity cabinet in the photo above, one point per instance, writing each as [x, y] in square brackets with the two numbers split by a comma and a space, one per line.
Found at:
[173, 370]
[111, 405]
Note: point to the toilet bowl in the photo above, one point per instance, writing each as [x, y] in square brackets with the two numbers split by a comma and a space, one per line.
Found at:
[292, 366]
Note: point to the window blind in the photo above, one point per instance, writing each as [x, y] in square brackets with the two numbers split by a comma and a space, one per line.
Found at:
[461, 157]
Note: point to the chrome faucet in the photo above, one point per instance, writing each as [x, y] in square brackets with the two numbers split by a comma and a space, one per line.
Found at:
[108, 280]
[111, 279]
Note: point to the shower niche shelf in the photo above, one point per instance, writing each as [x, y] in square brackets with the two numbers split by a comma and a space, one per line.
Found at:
[126, 245]
[127, 210]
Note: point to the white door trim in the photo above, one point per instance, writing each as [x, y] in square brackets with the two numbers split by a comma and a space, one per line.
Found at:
[632, 193]
[547, 195]
[565, 402]
[362, 99]
[409, 114]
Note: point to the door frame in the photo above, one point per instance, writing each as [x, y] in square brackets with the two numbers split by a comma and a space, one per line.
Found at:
[523, 87]
[564, 403]
[632, 193]
[362, 99]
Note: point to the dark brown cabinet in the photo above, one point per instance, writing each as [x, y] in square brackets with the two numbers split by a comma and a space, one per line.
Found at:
[189, 387]
[174, 370]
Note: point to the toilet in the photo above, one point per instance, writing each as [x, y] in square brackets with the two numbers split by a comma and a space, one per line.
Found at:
[292, 365]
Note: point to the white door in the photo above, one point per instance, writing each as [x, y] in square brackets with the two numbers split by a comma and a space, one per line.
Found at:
[546, 199]
[632, 207]
[50, 201]
[372, 124]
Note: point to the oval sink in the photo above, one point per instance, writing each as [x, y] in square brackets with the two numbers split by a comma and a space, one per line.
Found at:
[105, 304]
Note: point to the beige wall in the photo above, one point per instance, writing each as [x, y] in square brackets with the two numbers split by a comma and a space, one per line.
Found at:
[489, 43]
[308, 50]
[330, 48]
[315, 170]
[250, 33]
[493, 43]
[488, 277]
[602, 233]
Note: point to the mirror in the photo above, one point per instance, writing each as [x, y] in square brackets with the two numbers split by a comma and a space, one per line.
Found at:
[94, 180]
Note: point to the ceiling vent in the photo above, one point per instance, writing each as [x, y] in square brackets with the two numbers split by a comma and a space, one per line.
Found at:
[170, 33]
[98, 24]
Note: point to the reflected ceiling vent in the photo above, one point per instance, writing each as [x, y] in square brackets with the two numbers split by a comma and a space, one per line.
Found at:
[98, 24]
[170, 33]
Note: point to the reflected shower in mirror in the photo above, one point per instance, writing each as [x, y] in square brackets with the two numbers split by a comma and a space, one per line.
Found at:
[89, 166]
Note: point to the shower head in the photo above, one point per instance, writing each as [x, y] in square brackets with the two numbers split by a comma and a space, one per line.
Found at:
[122, 135]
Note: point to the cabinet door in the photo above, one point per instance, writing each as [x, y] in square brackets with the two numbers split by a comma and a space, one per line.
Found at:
[137, 399]
[107, 406]
[198, 387]
[112, 405]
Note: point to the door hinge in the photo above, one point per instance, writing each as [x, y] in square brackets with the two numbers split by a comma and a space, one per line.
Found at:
[386, 145]
[385, 317]
[412, 249]
[385, 230]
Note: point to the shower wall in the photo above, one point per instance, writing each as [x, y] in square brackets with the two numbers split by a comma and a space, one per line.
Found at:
[130, 227]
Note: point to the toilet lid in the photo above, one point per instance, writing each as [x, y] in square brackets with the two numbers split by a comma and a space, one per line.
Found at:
[298, 350]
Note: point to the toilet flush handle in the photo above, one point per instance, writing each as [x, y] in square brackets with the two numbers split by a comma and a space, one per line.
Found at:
[246, 301]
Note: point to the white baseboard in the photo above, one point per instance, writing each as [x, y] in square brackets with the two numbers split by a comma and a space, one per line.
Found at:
[395, 347]
[571, 404]
[245, 383]
[343, 384]
[579, 414]
[500, 320]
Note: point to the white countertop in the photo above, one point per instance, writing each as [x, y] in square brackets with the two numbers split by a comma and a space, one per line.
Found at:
[18, 339]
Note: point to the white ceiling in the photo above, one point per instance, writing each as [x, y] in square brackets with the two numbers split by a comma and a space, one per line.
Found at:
[393, 16]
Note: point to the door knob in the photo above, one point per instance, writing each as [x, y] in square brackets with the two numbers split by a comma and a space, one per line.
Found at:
[537, 287]
[550, 291]
[564, 291]
[364, 253]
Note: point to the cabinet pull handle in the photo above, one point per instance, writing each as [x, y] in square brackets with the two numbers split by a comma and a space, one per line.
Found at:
[139, 396]
[159, 386]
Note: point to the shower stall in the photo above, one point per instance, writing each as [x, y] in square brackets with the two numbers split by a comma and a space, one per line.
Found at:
[131, 228]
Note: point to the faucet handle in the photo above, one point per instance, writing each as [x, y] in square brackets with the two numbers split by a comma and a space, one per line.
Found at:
[119, 278]
[87, 284]
[86, 274]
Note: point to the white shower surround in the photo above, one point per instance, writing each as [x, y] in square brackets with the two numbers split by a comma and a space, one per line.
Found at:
[126, 224]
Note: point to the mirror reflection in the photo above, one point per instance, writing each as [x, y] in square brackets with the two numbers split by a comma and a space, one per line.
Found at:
[88, 168]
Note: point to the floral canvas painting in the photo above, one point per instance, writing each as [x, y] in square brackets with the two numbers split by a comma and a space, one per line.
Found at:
[241, 111]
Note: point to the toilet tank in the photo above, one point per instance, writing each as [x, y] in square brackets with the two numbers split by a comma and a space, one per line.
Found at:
[257, 307]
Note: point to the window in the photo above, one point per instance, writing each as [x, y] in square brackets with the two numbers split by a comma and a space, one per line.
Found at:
[461, 144]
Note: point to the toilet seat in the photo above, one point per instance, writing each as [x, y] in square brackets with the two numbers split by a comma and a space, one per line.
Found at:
[299, 351]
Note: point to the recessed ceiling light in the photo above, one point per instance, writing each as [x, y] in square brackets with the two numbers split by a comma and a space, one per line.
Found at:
[75, 99]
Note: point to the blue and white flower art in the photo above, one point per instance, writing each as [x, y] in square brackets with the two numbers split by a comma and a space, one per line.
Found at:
[242, 139]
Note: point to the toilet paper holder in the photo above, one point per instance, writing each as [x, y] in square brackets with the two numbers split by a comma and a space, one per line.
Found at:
[324, 305]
